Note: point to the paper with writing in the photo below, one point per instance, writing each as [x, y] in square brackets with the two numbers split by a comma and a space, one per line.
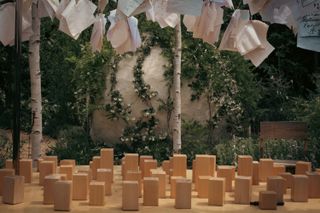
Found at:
[185, 7]
[128, 6]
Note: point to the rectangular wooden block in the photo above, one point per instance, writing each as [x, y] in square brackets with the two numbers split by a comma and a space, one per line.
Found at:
[106, 161]
[289, 178]
[9, 164]
[245, 166]
[173, 185]
[302, 167]
[161, 175]
[204, 166]
[130, 196]
[150, 191]
[62, 195]
[80, 186]
[227, 172]
[183, 194]
[46, 168]
[25, 169]
[243, 190]
[203, 186]
[265, 169]
[299, 191]
[255, 175]
[268, 200]
[193, 171]
[216, 193]
[166, 166]
[278, 169]
[318, 171]
[95, 165]
[53, 159]
[68, 162]
[48, 188]
[148, 166]
[278, 185]
[4, 173]
[135, 176]
[179, 165]
[142, 158]
[105, 175]
[13, 190]
[96, 193]
[67, 170]
[132, 161]
[314, 184]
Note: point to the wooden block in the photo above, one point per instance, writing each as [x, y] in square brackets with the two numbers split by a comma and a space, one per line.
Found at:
[53, 159]
[67, 170]
[227, 172]
[96, 193]
[150, 191]
[268, 200]
[4, 173]
[203, 186]
[166, 166]
[9, 164]
[193, 171]
[173, 185]
[80, 186]
[148, 166]
[205, 166]
[314, 184]
[255, 175]
[95, 165]
[302, 167]
[88, 172]
[46, 168]
[243, 190]
[106, 161]
[278, 185]
[25, 169]
[216, 193]
[161, 175]
[66, 162]
[179, 165]
[288, 177]
[105, 175]
[135, 176]
[142, 158]
[245, 166]
[318, 170]
[48, 187]
[183, 194]
[130, 196]
[265, 169]
[13, 190]
[299, 191]
[132, 161]
[62, 195]
[278, 169]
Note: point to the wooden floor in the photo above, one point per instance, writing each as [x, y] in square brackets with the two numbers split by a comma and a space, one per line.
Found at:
[33, 202]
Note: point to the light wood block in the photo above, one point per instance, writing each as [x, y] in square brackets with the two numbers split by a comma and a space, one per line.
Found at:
[9, 164]
[67, 170]
[318, 170]
[148, 166]
[106, 161]
[95, 165]
[183, 194]
[216, 193]
[299, 191]
[142, 158]
[48, 188]
[13, 190]
[278, 169]
[66, 162]
[278, 185]
[80, 186]
[161, 175]
[130, 196]
[173, 185]
[105, 175]
[96, 193]
[4, 173]
[135, 176]
[179, 165]
[289, 178]
[203, 186]
[268, 200]
[150, 191]
[255, 175]
[227, 172]
[204, 166]
[193, 171]
[166, 166]
[265, 169]
[25, 169]
[302, 167]
[245, 166]
[243, 190]
[53, 159]
[132, 161]
[62, 195]
[88, 172]
[46, 168]
[314, 184]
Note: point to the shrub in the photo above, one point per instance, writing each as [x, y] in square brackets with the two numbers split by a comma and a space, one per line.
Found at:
[5, 149]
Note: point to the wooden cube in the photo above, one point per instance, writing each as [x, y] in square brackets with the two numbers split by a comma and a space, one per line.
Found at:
[13, 190]
[53, 159]
[302, 167]
[80, 186]
[96, 193]
[243, 190]
[62, 195]
[46, 168]
[86, 171]
[105, 175]
[173, 185]
[148, 166]
[278, 169]
[66, 162]
[203, 186]
[161, 175]
[135, 176]
[48, 188]
[130, 196]
[166, 166]
[245, 166]
[106, 161]
[299, 191]
[255, 175]
[227, 172]
[314, 184]
[142, 158]
[67, 170]
[288, 177]
[268, 200]
[150, 191]
[9, 164]
[25, 169]
[95, 165]
[278, 185]
[265, 169]
[4, 173]
[183, 194]
[204, 166]
[132, 161]
[216, 191]
[179, 165]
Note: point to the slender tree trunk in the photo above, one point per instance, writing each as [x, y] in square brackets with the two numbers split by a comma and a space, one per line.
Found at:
[35, 79]
[177, 89]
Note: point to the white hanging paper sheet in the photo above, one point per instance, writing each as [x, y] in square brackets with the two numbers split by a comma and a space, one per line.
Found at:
[158, 12]
[61, 7]
[7, 23]
[185, 7]
[224, 3]
[102, 5]
[48, 8]
[98, 32]
[256, 5]
[128, 6]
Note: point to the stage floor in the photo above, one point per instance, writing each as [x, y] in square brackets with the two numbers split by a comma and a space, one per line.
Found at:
[33, 202]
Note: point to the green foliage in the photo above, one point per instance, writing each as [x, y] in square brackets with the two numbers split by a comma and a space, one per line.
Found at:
[5, 149]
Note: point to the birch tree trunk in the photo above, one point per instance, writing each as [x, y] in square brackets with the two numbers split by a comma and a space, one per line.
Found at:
[35, 79]
[177, 91]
